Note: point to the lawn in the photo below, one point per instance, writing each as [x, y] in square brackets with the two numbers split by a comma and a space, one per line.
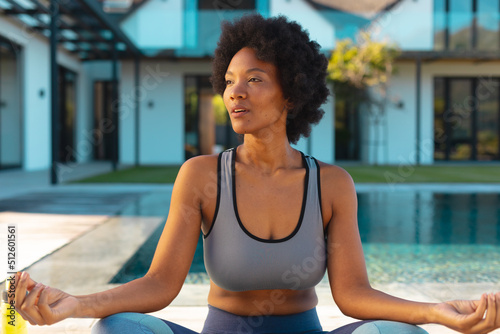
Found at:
[414, 174]
[145, 174]
[360, 174]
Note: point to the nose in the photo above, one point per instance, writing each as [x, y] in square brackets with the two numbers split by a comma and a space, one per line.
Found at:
[238, 91]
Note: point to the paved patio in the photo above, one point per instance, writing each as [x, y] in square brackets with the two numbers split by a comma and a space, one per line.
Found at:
[71, 237]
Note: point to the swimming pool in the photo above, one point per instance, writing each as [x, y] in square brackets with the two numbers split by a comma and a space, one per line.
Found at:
[408, 236]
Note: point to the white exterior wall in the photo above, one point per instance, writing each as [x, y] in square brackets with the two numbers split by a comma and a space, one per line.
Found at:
[322, 135]
[321, 142]
[318, 27]
[157, 24]
[396, 130]
[161, 126]
[409, 25]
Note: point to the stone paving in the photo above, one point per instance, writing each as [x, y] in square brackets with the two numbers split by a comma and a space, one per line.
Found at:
[77, 243]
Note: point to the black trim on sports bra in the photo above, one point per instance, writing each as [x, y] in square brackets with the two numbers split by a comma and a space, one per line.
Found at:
[319, 195]
[319, 186]
[219, 176]
[304, 201]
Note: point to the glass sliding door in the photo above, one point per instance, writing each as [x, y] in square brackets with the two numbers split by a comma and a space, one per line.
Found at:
[440, 130]
[10, 107]
[488, 120]
[347, 133]
[103, 120]
[191, 138]
[466, 119]
[67, 110]
[460, 122]
[207, 129]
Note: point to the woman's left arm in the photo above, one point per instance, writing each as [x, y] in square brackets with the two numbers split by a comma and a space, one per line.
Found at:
[349, 280]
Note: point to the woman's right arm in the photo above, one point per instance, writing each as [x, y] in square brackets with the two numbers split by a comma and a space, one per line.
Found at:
[44, 305]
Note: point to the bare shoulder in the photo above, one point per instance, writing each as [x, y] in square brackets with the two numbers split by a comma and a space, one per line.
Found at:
[337, 190]
[334, 177]
[200, 164]
[197, 172]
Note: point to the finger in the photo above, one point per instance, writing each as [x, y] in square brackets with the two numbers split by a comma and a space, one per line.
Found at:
[497, 320]
[488, 322]
[27, 318]
[25, 277]
[29, 307]
[20, 292]
[491, 313]
[481, 307]
[475, 320]
[22, 284]
[17, 295]
[44, 307]
[483, 304]
[471, 321]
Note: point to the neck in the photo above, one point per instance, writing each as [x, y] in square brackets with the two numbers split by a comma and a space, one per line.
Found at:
[268, 155]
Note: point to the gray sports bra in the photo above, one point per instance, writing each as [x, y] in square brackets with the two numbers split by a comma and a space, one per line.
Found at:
[237, 260]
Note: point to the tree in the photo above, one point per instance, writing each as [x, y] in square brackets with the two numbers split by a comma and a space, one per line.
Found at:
[360, 69]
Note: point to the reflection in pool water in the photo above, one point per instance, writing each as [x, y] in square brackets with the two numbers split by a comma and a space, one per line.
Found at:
[408, 236]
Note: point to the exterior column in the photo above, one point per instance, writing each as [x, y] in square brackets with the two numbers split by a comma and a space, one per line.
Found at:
[115, 105]
[54, 87]
[137, 109]
[418, 108]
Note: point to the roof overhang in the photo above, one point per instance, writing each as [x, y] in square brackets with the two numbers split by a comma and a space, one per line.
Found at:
[84, 28]
[364, 8]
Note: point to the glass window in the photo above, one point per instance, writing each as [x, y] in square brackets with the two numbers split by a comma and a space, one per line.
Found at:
[460, 25]
[67, 115]
[439, 25]
[347, 134]
[488, 120]
[467, 118]
[439, 125]
[191, 146]
[460, 119]
[488, 20]
[103, 120]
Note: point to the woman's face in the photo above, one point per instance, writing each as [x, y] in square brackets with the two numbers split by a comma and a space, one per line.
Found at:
[253, 95]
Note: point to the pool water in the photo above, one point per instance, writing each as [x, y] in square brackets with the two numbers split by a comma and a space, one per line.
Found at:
[408, 236]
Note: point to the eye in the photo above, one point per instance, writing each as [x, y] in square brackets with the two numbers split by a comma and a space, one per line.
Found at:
[254, 80]
[228, 82]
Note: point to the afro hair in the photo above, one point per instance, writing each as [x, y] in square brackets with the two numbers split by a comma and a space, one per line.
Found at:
[302, 69]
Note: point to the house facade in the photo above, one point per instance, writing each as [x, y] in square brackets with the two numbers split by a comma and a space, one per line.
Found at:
[443, 101]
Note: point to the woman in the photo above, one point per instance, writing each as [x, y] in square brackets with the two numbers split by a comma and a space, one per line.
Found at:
[279, 218]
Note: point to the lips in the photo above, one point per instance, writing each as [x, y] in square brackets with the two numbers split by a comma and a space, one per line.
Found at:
[238, 111]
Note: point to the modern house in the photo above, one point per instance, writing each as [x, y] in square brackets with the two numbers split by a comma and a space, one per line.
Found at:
[444, 100]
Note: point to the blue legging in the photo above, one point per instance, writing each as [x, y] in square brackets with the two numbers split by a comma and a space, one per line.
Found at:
[222, 322]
